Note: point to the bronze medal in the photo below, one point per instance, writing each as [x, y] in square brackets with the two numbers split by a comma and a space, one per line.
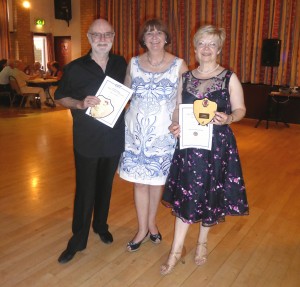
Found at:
[204, 111]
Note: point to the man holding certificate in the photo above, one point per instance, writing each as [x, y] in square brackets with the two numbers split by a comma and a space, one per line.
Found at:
[205, 181]
[97, 146]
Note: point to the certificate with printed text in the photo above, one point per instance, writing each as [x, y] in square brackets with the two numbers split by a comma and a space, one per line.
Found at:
[113, 98]
[192, 134]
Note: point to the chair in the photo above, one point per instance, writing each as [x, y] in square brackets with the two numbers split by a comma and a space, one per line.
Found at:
[7, 94]
[16, 91]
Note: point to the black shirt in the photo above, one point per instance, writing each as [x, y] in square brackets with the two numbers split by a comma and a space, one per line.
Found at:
[83, 77]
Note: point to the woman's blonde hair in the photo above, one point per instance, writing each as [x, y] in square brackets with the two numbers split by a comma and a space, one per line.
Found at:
[210, 30]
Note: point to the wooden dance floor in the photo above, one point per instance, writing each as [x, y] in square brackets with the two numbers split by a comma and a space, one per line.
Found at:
[36, 205]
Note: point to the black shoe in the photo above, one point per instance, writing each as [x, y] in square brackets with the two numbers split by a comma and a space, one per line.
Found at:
[106, 237]
[135, 246]
[156, 238]
[66, 256]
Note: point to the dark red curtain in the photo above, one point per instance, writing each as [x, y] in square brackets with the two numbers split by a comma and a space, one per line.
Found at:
[4, 31]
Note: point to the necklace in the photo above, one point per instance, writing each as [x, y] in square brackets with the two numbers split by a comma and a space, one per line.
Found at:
[158, 64]
[209, 71]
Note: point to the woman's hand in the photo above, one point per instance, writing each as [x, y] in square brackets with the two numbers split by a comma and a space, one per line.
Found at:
[222, 119]
[174, 128]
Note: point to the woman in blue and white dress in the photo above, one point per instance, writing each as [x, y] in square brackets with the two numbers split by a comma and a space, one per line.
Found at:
[149, 145]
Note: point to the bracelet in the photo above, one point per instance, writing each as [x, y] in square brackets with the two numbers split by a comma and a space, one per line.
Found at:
[231, 119]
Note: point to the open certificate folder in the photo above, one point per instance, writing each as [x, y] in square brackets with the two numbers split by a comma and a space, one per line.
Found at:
[113, 99]
[192, 134]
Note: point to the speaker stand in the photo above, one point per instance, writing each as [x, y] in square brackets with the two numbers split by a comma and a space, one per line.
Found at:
[272, 76]
[266, 114]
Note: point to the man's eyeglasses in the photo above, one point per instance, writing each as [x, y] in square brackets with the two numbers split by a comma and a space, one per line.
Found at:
[106, 35]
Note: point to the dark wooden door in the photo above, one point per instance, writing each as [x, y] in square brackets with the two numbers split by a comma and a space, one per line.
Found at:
[62, 49]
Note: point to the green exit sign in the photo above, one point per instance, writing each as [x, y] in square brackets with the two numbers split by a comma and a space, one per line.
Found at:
[40, 22]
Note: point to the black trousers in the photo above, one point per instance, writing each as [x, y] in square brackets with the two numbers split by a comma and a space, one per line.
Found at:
[5, 88]
[94, 178]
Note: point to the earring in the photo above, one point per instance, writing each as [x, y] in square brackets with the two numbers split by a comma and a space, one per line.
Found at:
[166, 42]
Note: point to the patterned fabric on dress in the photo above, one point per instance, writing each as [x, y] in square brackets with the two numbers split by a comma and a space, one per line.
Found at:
[149, 146]
[206, 185]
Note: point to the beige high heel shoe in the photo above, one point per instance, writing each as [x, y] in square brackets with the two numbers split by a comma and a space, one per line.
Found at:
[172, 261]
[201, 253]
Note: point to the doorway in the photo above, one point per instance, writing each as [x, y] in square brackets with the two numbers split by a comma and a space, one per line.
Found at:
[40, 50]
[62, 50]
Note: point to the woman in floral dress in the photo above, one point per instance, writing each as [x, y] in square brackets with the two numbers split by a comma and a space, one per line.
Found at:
[206, 185]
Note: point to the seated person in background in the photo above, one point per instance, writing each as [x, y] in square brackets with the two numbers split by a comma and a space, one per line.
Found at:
[49, 71]
[37, 70]
[22, 79]
[2, 64]
[4, 76]
[57, 72]
[27, 69]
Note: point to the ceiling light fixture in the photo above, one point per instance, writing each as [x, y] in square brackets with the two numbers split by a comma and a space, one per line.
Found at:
[26, 4]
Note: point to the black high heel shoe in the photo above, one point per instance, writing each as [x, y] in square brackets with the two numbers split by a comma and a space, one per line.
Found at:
[156, 238]
[135, 246]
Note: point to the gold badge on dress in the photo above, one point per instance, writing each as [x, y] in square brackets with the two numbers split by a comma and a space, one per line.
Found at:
[204, 111]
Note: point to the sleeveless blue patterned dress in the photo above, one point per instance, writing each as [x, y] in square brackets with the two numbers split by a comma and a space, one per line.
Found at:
[206, 185]
[149, 146]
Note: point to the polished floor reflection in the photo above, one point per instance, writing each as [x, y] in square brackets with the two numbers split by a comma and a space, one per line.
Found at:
[36, 196]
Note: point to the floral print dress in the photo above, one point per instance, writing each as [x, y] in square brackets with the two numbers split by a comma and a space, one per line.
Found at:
[149, 145]
[206, 185]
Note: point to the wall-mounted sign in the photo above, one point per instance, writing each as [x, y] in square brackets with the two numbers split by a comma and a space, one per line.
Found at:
[39, 22]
